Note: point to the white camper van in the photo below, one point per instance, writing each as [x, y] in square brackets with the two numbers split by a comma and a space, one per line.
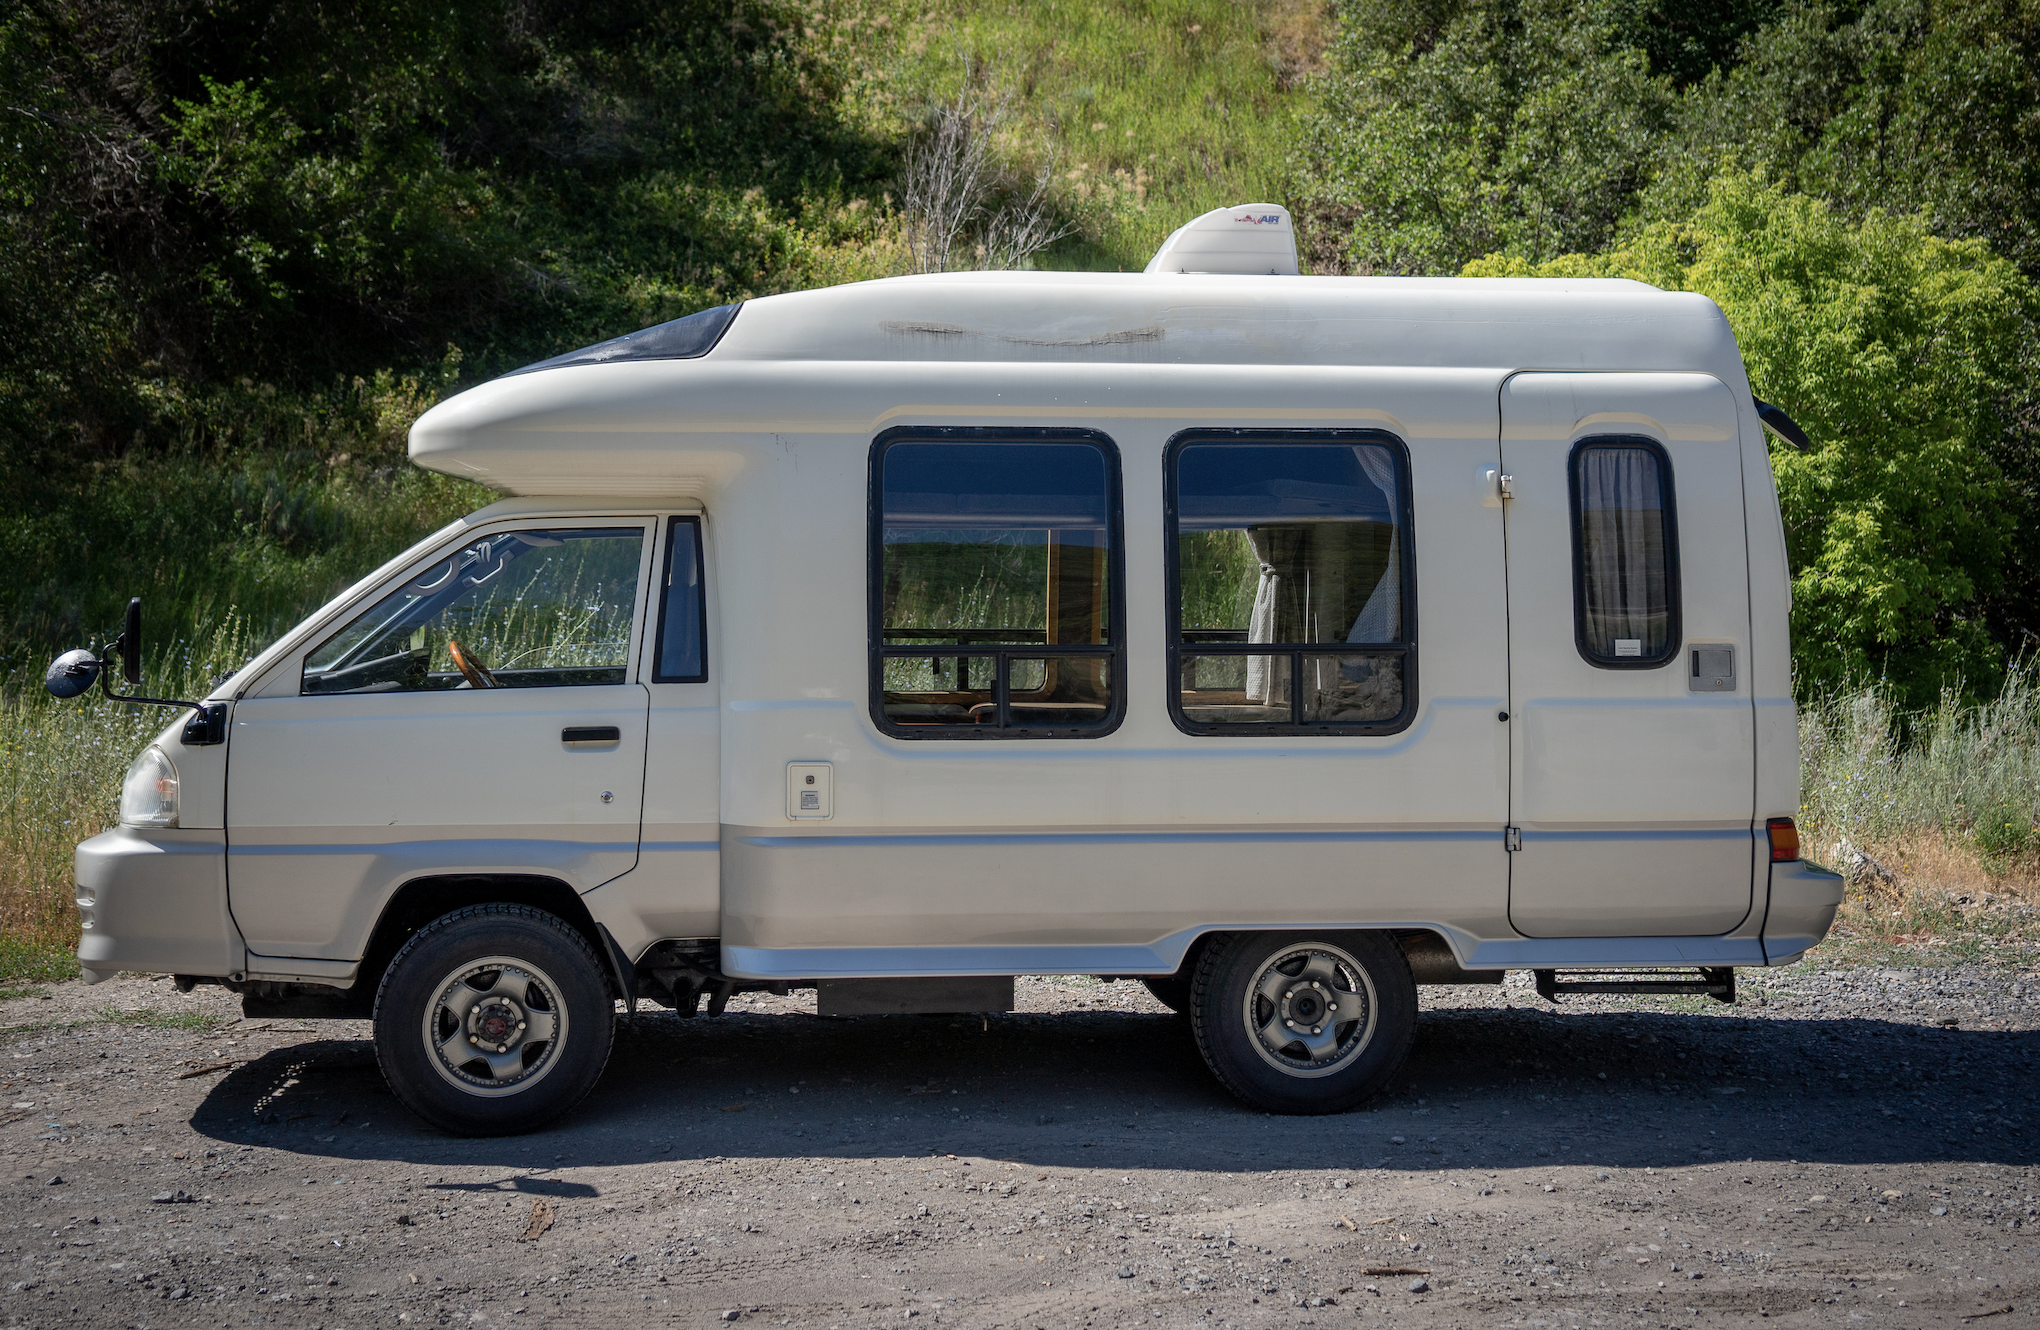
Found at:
[1286, 642]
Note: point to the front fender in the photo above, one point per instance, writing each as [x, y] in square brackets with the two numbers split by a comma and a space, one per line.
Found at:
[156, 901]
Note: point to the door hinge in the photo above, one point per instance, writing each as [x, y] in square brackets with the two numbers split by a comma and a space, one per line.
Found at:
[1508, 486]
[1512, 839]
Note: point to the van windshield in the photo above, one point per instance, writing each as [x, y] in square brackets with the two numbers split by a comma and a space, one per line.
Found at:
[522, 609]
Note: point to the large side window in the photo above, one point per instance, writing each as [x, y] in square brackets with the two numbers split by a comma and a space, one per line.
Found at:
[1625, 553]
[995, 584]
[1292, 592]
[520, 609]
[683, 609]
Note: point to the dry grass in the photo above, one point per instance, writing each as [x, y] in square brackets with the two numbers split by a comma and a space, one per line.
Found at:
[1298, 33]
[1926, 898]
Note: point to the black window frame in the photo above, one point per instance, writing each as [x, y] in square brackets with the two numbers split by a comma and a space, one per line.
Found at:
[1668, 504]
[700, 602]
[1297, 652]
[874, 590]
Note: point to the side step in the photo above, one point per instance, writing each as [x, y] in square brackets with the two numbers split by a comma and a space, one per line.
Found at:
[1717, 982]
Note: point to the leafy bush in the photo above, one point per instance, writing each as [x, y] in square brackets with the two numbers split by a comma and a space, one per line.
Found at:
[219, 222]
[1450, 129]
[1895, 350]
[1917, 106]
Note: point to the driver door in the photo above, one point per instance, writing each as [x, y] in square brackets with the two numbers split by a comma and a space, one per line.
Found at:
[483, 716]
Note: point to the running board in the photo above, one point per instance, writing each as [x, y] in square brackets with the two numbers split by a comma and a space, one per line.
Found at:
[1717, 982]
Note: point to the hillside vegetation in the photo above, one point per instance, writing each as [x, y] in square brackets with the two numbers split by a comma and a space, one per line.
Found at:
[1858, 186]
[244, 243]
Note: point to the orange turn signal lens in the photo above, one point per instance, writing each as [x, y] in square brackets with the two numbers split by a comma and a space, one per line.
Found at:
[1784, 840]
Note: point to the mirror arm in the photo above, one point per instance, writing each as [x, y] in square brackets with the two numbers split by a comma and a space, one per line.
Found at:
[106, 662]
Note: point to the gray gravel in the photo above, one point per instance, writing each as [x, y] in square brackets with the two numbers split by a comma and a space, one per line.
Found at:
[1826, 1151]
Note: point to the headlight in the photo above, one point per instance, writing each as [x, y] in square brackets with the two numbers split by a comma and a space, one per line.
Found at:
[148, 796]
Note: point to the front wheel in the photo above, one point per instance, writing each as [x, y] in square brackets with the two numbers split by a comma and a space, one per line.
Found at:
[1304, 1022]
[493, 1020]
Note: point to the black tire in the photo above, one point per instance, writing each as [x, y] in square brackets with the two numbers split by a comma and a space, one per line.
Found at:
[1171, 990]
[1333, 1064]
[533, 975]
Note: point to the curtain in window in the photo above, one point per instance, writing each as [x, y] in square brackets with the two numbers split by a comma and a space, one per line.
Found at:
[1268, 676]
[1380, 618]
[1623, 585]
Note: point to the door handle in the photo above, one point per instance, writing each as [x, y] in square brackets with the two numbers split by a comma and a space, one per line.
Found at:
[591, 734]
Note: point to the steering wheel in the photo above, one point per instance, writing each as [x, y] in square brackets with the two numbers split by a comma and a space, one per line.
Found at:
[476, 673]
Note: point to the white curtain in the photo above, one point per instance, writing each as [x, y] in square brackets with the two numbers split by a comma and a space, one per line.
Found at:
[1267, 676]
[1623, 585]
[1381, 617]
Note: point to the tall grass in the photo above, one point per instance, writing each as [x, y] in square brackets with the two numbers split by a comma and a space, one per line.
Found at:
[1932, 818]
[1150, 113]
[1966, 773]
[61, 764]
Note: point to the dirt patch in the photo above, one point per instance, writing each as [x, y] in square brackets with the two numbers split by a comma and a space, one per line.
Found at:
[1830, 1149]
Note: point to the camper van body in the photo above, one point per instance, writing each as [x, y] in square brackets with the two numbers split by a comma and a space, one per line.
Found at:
[781, 811]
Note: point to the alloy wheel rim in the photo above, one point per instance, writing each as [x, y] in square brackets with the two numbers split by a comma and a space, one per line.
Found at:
[1310, 1010]
[495, 1026]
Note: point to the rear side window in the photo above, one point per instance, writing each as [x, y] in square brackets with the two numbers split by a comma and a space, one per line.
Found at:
[995, 584]
[683, 612]
[1625, 553]
[1292, 594]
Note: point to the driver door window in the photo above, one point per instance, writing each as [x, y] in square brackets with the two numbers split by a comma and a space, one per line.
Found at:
[518, 609]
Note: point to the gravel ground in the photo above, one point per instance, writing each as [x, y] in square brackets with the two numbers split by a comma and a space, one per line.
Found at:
[1843, 1147]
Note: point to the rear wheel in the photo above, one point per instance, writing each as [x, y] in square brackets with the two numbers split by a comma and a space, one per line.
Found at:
[493, 1020]
[1304, 1022]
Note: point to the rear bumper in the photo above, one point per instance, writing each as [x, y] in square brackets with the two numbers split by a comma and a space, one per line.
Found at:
[1804, 898]
[155, 901]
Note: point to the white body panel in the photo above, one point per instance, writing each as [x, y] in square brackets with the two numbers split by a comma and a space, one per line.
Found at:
[1111, 853]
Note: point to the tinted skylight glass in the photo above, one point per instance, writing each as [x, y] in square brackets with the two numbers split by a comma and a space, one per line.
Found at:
[682, 339]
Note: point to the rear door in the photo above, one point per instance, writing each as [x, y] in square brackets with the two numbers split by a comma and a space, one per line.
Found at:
[1632, 735]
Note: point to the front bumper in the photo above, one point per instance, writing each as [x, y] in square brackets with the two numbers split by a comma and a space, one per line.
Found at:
[1804, 898]
[156, 901]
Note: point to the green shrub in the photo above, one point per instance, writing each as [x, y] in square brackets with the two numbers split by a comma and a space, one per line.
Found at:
[1896, 351]
[1449, 129]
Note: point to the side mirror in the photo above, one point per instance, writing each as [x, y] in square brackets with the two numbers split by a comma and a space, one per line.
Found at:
[131, 643]
[72, 673]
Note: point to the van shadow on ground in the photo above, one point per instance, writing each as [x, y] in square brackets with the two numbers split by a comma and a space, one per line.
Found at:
[1485, 1089]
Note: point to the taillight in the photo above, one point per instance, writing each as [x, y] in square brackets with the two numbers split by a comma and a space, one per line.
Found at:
[1784, 840]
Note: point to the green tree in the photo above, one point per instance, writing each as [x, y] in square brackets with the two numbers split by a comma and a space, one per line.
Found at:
[1449, 129]
[223, 221]
[1454, 128]
[1895, 349]
[1918, 106]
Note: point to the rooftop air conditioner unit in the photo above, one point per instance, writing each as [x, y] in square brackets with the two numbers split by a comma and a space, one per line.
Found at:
[1253, 238]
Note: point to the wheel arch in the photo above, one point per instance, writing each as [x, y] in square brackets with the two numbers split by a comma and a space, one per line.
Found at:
[421, 900]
